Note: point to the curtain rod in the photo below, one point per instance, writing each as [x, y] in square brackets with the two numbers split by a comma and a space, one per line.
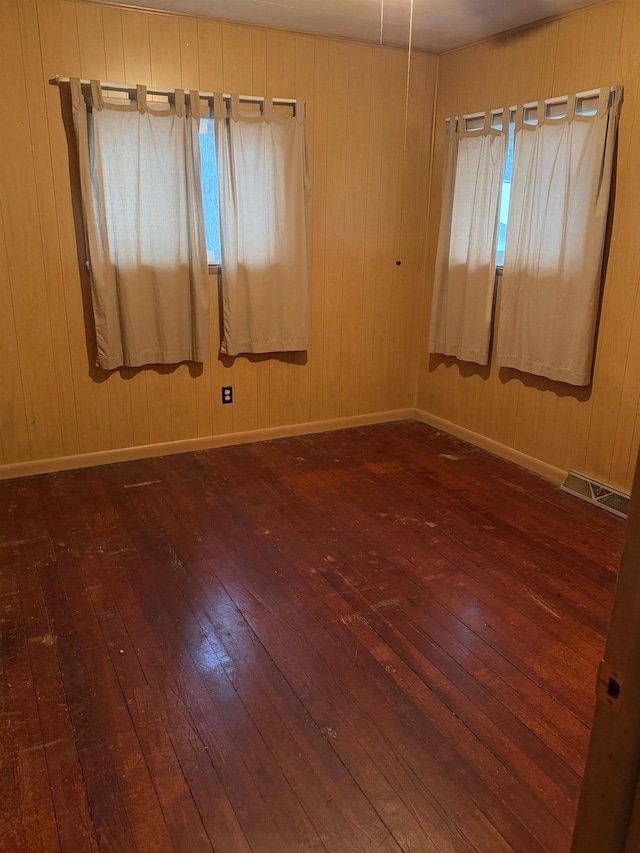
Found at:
[559, 99]
[122, 87]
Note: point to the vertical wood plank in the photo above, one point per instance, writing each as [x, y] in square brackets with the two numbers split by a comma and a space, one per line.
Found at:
[319, 109]
[113, 43]
[91, 42]
[36, 83]
[389, 276]
[14, 434]
[304, 83]
[373, 257]
[359, 99]
[337, 135]
[25, 250]
[415, 190]
[284, 388]
[210, 56]
[136, 47]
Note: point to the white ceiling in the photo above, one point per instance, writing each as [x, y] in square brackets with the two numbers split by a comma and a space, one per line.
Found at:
[438, 25]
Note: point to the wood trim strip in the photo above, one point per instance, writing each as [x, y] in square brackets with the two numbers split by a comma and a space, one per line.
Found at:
[607, 799]
[125, 454]
[146, 451]
[549, 472]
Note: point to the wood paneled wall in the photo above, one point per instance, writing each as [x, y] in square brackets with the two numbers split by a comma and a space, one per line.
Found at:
[594, 430]
[367, 212]
[368, 348]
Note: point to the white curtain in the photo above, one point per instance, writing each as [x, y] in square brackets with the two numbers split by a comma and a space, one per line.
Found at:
[557, 219]
[264, 228]
[142, 204]
[462, 302]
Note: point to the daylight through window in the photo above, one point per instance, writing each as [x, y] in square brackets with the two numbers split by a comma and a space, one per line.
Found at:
[209, 180]
[505, 197]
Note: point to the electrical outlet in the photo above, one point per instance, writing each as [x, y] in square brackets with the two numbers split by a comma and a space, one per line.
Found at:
[227, 394]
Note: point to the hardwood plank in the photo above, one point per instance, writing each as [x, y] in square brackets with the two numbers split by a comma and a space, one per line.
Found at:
[238, 590]
[340, 642]
[230, 637]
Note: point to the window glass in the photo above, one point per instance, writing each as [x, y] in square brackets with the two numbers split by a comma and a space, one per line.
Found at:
[209, 177]
[505, 197]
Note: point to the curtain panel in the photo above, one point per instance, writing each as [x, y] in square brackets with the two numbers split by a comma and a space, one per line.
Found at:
[265, 195]
[550, 290]
[463, 290]
[142, 207]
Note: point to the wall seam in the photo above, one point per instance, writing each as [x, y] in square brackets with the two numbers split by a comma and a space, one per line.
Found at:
[425, 252]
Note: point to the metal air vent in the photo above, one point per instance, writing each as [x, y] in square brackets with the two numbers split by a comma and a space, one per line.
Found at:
[596, 493]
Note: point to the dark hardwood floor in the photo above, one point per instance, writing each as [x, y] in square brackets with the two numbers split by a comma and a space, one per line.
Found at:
[376, 639]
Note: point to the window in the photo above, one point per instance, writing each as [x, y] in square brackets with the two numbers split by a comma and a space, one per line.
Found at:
[164, 187]
[209, 180]
[556, 234]
[505, 197]
[551, 202]
[143, 224]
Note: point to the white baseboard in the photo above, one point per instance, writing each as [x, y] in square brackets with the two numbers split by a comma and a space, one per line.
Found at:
[549, 472]
[125, 454]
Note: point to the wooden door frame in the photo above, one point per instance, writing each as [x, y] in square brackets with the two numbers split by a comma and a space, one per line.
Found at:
[607, 818]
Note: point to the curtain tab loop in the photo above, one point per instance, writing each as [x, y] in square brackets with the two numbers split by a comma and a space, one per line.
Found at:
[300, 109]
[235, 107]
[452, 126]
[268, 110]
[219, 107]
[194, 105]
[179, 102]
[96, 95]
[141, 98]
[488, 123]
[518, 117]
[603, 100]
[76, 93]
[542, 112]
